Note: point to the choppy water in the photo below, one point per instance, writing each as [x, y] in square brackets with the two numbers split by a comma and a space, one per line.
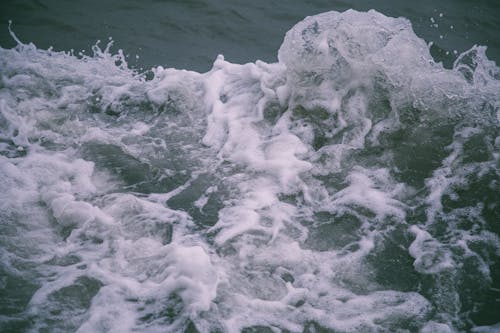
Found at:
[351, 186]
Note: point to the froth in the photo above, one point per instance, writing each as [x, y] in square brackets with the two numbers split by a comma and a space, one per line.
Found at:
[284, 196]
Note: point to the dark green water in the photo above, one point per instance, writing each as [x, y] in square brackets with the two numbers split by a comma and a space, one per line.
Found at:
[338, 173]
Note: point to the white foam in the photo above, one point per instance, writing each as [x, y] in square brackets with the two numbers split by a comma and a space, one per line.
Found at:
[363, 191]
[253, 129]
[430, 256]
[435, 327]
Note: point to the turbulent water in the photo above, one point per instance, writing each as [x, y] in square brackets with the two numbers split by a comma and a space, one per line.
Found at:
[353, 186]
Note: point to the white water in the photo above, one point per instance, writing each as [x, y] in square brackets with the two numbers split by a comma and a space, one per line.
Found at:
[251, 195]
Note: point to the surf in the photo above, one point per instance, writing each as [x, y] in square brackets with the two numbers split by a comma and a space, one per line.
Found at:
[351, 186]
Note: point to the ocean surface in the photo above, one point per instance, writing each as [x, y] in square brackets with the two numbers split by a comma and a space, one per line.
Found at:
[249, 166]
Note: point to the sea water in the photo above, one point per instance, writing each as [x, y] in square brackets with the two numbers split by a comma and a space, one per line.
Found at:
[352, 185]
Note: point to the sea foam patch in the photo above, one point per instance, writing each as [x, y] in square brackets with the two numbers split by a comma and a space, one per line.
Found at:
[352, 186]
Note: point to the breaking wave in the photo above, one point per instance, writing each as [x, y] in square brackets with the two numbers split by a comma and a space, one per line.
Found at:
[353, 186]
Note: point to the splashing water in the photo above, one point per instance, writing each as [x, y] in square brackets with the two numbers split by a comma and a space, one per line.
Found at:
[351, 187]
